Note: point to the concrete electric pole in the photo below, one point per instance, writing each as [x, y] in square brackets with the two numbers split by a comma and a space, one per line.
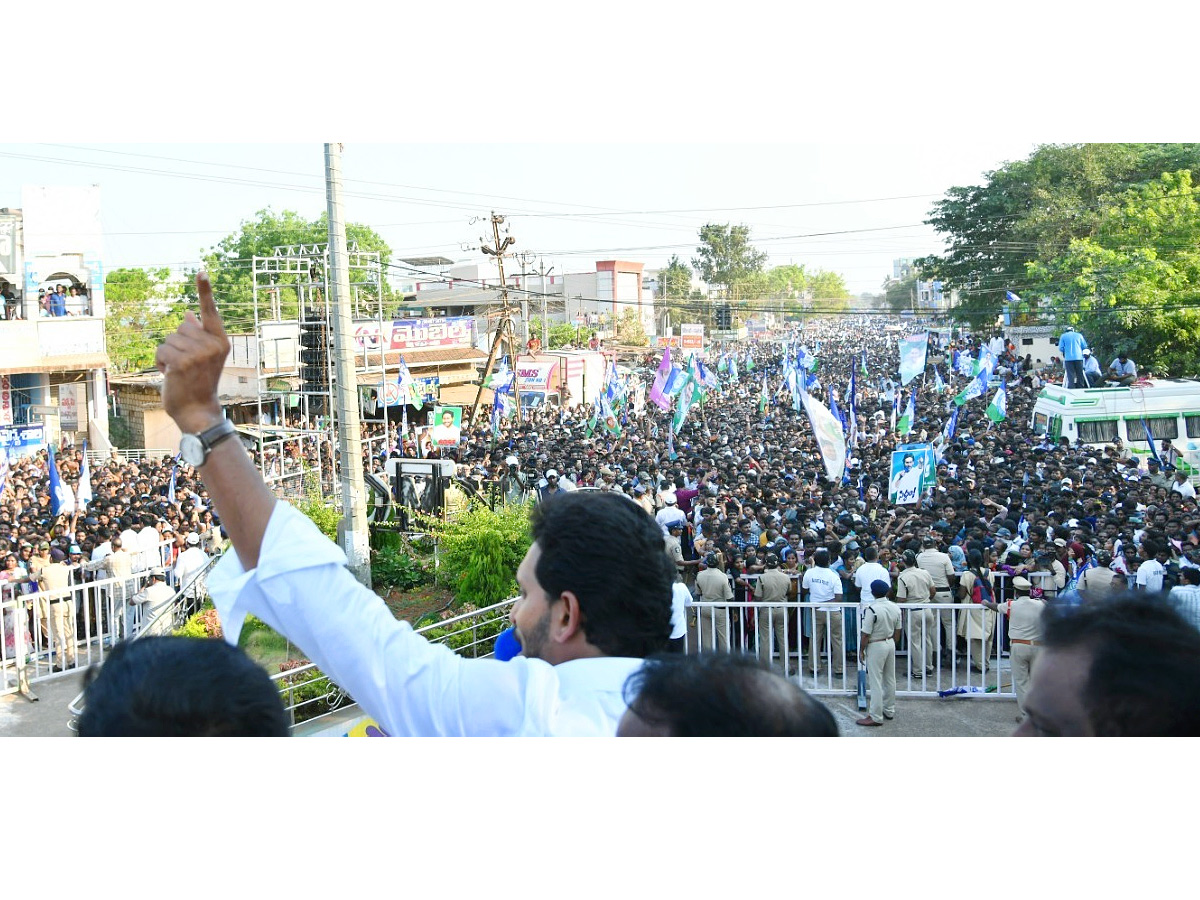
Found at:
[353, 528]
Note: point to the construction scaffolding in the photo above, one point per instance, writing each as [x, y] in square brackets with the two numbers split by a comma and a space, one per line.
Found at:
[295, 432]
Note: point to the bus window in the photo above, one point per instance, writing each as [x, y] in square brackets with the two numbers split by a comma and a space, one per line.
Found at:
[1055, 427]
[1161, 429]
[1040, 421]
[1100, 431]
[1193, 426]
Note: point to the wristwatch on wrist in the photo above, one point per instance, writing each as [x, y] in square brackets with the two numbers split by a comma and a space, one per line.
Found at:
[194, 448]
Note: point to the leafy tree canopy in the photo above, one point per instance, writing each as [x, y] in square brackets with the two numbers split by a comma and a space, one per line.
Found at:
[229, 263]
[143, 307]
[726, 257]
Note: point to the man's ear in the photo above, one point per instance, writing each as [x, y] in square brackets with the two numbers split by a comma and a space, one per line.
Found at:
[567, 618]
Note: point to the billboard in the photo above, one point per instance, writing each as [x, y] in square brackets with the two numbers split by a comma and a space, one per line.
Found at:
[6, 409]
[416, 334]
[22, 440]
[691, 337]
[672, 341]
[535, 376]
[68, 407]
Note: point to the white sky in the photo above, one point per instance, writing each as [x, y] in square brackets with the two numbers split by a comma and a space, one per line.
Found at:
[573, 204]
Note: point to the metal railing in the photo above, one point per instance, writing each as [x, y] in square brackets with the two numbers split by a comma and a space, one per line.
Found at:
[49, 634]
[817, 643]
[99, 457]
[308, 694]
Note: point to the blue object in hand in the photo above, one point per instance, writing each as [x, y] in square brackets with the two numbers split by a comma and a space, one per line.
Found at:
[507, 645]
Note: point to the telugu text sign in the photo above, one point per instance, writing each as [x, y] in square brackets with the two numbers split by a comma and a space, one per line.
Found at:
[416, 334]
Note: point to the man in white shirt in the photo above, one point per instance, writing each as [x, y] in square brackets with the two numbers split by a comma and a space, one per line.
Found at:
[868, 572]
[1183, 487]
[1150, 572]
[190, 562]
[822, 585]
[670, 512]
[595, 591]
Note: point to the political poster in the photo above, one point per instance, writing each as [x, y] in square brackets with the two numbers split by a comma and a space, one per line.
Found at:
[447, 425]
[912, 356]
[909, 475]
[691, 336]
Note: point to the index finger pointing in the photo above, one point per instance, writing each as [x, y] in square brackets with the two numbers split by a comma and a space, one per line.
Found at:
[209, 317]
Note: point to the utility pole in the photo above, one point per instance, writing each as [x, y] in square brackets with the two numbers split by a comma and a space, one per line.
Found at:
[353, 527]
[504, 325]
[542, 272]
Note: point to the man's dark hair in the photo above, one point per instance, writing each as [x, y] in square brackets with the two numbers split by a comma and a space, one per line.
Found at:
[1145, 672]
[1189, 575]
[609, 553]
[180, 687]
[821, 558]
[723, 695]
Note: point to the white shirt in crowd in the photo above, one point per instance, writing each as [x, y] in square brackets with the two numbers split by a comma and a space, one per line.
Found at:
[1150, 576]
[822, 584]
[868, 572]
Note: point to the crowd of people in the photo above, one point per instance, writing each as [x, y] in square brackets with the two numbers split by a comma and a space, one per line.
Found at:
[1015, 521]
[55, 301]
[150, 516]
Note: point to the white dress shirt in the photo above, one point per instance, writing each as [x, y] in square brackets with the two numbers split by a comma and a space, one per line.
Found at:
[303, 590]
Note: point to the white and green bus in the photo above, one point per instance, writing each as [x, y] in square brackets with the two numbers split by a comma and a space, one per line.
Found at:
[1170, 407]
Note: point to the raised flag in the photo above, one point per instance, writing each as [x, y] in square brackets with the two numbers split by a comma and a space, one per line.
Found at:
[1150, 441]
[608, 418]
[938, 384]
[749, 362]
[904, 426]
[913, 350]
[833, 408]
[84, 492]
[733, 375]
[708, 378]
[408, 385]
[763, 398]
[658, 390]
[828, 431]
[687, 396]
[62, 500]
[975, 388]
[863, 367]
[998, 408]
[1010, 297]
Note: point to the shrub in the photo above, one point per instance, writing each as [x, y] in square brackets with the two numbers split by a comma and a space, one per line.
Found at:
[469, 642]
[325, 517]
[310, 693]
[395, 568]
[480, 551]
[203, 624]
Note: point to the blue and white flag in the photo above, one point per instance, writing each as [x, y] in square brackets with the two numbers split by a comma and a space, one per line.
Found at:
[708, 377]
[976, 388]
[84, 492]
[733, 376]
[62, 501]
[905, 425]
[171, 484]
[1010, 297]
[833, 408]
[938, 384]
[951, 425]
[963, 364]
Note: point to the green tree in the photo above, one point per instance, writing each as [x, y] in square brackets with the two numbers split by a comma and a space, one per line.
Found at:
[630, 330]
[899, 293]
[675, 294]
[726, 257]
[1134, 285]
[1030, 210]
[829, 291]
[786, 282]
[142, 308]
[229, 262]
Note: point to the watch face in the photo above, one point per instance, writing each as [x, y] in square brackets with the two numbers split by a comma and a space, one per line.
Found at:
[191, 450]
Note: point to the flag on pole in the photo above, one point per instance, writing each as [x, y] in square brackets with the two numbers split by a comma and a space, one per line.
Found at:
[658, 395]
[852, 395]
[1010, 297]
[62, 501]
[938, 384]
[733, 375]
[904, 426]
[706, 375]
[591, 424]
[687, 397]
[833, 408]
[828, 431]
[763, 398]
[863, 368]
[1150, 441]
[408, 385]
[998, 408]
[84, 492]
[608, 418]
[963, 363]
[749, 362]
[975, 388]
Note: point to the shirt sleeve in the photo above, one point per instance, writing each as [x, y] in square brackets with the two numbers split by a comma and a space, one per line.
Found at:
[302, 589]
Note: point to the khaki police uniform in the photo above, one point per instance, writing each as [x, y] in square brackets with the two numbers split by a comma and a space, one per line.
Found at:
[941, 569]
[1024, 636]
[880, 622]
[56, 609]
[713, 587]
[771, 623]
[913, 586]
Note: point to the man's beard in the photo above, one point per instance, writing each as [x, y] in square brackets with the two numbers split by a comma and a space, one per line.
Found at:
[534, 643]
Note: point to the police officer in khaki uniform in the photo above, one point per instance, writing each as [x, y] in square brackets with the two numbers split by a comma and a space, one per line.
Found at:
[880, 632]
[941, 569]
[1024, 634]
[56, 608]
[772, 587]
[915, 585]
[712, 584]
